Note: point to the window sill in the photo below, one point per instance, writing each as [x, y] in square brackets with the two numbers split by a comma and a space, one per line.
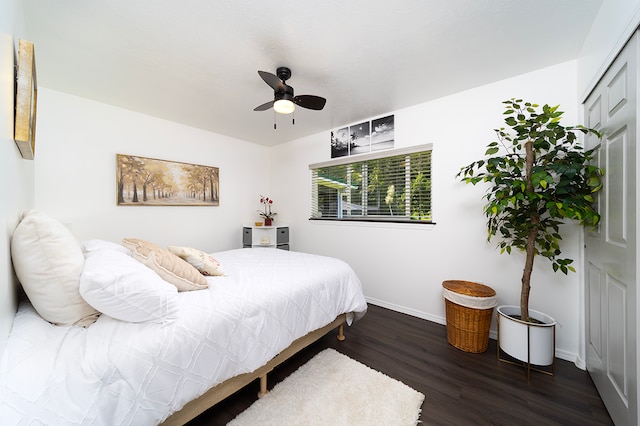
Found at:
[376, 223]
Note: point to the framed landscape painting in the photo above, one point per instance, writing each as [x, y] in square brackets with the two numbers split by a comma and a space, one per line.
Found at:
[26, 101]
[144, 181]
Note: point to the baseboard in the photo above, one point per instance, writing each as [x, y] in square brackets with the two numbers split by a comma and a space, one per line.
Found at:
[580, 363]
[493, 334]
[408, 311]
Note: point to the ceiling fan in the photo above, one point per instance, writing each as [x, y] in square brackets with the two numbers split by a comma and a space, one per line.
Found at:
[284, 102]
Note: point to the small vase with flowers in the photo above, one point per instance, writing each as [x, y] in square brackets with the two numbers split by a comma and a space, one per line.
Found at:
[266, 212]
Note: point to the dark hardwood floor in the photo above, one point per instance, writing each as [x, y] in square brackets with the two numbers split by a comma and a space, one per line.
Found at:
[460, 388]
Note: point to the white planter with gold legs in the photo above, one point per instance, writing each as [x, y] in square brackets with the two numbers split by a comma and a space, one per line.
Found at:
[532, 343]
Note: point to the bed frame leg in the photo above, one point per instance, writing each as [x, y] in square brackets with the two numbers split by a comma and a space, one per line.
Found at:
[341, 333]
[263, 386]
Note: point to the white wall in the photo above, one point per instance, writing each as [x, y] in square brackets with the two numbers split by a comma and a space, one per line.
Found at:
[16, 174]
[615, 23]
[75, 179]
[403, 266]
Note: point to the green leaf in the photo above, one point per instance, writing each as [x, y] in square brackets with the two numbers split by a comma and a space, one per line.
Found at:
[491, 151]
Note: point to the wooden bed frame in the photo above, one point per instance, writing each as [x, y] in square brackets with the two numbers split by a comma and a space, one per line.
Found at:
[216, 394]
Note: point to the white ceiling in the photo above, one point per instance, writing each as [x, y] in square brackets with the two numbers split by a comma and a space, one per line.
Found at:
[195, 61]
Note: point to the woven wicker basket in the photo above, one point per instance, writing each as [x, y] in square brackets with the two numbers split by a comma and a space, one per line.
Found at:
[468, 328]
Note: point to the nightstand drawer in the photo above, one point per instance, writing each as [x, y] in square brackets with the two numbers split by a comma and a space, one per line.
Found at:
[246, 236]
[282, 236]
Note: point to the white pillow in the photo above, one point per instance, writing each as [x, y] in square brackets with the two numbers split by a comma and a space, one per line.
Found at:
[48, 261]
[93, 245]
[117, 285]
[200, 260]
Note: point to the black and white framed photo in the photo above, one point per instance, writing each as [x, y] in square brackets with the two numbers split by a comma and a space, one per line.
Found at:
[360, 138]
[371, 135]
[340, 142]
[382, 133]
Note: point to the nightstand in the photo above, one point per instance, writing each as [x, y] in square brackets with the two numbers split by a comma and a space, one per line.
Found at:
[266, 236]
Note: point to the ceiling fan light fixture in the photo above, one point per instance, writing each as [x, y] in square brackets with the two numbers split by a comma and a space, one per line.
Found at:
[284, 106]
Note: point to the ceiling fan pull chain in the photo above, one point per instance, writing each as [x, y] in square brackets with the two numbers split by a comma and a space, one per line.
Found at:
[274, 119]
[293, 118]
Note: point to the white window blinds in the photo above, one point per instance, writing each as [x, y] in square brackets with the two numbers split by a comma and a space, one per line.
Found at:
[390, 186]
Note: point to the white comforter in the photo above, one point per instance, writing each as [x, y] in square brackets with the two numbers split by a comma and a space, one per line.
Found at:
[118, 373]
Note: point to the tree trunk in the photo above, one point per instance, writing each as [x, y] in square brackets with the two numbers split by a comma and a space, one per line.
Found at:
[526, 274]
[531, 239]
[121, 188]
[135, 192]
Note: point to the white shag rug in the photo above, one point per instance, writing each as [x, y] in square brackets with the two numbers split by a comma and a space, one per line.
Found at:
[333, 389]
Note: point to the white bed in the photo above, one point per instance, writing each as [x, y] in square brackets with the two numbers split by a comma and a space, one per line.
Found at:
[115, 372]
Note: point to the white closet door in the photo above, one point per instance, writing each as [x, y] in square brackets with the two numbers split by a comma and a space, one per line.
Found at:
[611, 251]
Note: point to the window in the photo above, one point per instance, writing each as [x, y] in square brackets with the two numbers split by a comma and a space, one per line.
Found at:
[386, 186]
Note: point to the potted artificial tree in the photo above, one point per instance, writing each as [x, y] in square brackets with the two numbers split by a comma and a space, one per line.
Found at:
[539, 176]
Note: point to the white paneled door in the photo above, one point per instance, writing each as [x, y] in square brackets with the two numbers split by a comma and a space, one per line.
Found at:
[611, 251]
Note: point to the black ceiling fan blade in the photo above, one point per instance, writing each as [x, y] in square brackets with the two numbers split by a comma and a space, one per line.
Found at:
[272, 80]
[265, 106]
[310, 101]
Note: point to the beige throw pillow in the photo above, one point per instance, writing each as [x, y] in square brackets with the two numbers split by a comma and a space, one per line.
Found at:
[166, 264]
[200, 260]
